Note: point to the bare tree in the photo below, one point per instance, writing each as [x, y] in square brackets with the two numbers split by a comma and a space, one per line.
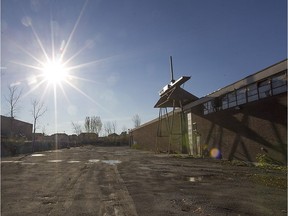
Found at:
[13, 99]
[136, 120]
[38, 110]
[77, 128]
[87, 124]
[114, 126]
[108, 127]
[93, 124]
[96, 124]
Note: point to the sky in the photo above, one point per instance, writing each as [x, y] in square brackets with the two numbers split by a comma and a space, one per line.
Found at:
[116, 53]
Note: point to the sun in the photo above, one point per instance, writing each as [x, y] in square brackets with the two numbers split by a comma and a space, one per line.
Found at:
[54, 72]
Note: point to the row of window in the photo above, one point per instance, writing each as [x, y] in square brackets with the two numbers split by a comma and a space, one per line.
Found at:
[272, 86]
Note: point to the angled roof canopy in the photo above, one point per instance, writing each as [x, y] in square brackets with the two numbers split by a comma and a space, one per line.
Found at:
[175, 97]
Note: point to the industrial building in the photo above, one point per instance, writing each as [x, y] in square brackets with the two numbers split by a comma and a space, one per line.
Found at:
[239, 121]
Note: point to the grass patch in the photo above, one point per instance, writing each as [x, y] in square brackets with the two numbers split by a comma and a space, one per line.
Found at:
[270, 181]
[135, 146]
[266, 162]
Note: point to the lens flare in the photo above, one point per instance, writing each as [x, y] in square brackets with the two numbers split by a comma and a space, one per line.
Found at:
[215, 153]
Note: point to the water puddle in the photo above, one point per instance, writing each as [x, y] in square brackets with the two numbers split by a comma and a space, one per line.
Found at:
[55, 151]
[11, 161]
[195, 178]
[28, 163]
[93, 161]
[54, 161]
[37, 155]
[72, 161]
[111, 162]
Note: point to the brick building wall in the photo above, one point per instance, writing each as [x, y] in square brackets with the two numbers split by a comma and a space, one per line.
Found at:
[242, 133]
[155, 135]
[11, 127]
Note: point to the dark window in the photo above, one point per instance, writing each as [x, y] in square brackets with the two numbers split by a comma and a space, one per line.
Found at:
[241, 96]
[279, 84]
[208, 107]
[232, 99]
[252, 92]
[276, 85]
[206, 110]
[224, 102]
[216, 103]
[264, 89]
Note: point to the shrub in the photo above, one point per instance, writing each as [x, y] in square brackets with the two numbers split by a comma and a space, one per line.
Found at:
[266, 161]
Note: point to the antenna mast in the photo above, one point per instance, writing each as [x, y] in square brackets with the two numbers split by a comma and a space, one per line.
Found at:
[171, 70]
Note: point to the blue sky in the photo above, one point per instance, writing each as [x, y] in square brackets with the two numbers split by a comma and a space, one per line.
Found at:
[119, 52]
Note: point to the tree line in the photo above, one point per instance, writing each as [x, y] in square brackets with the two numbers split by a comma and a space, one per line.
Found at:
[92, 124]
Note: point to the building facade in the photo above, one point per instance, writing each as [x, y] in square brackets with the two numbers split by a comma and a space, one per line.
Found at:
[239, 121]
[13, 128]
[244, 119]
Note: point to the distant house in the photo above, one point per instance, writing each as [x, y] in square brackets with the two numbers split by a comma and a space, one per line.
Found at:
[60, 137]
[39, 136]
[87, 137]
[113, 135]
[73, 138]
[14, 128]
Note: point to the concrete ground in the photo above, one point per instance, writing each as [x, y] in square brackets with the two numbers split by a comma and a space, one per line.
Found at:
[121, 181]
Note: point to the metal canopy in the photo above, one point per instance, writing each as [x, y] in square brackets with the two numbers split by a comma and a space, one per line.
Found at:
[173, 83]
[175, 97]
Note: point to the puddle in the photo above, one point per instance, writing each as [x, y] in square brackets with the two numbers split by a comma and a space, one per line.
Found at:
[195, 178]
[54, 161]
[48, 200]
[111, 162]
[55, 150]
[73, 161]
[37, 155]
[11, 161]
[93, 161]
[27, 163]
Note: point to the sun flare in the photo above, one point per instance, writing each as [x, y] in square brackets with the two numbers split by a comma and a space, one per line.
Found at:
[54, 72]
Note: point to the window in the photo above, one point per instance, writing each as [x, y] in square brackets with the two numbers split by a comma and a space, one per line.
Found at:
[216, 103]
[224, 102]
[232, 99]
[252, 92]
[208, 107]
[279, 84]
[241, 96]
[264, 89]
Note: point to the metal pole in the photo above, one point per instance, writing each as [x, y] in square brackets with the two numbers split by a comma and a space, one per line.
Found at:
[171, 70]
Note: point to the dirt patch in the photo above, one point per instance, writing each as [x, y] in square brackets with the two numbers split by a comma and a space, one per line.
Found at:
[117, 181]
